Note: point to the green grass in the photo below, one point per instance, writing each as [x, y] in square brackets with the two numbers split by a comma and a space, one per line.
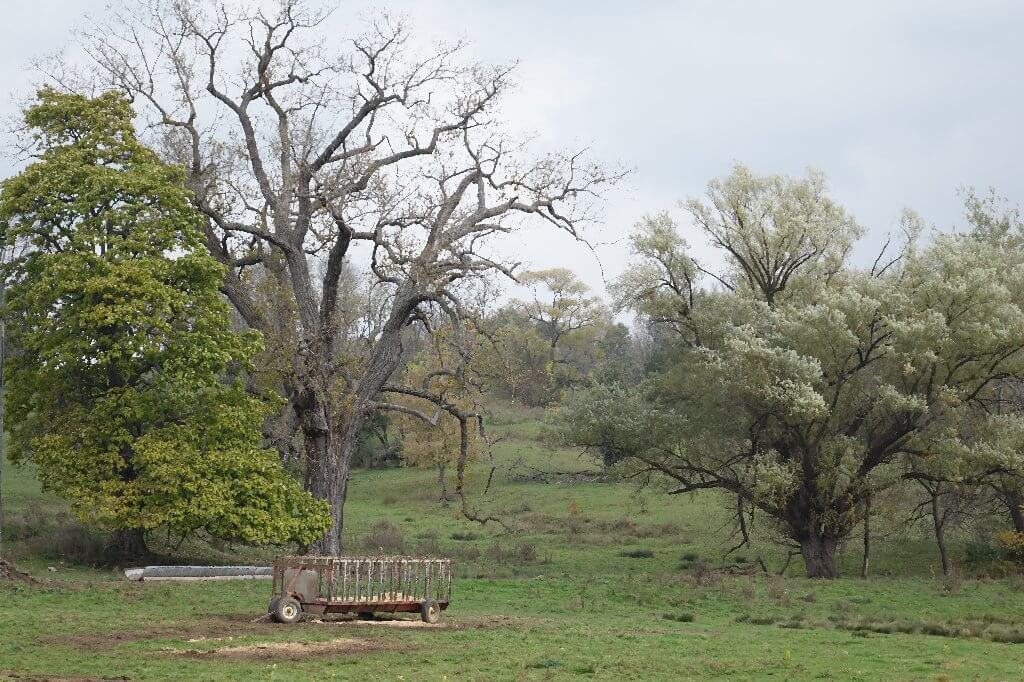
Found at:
[601, 582]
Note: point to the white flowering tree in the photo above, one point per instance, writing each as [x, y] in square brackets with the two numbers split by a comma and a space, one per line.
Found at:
[803, 384]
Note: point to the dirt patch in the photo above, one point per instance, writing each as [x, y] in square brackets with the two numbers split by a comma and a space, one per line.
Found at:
[26, 677]
[225, 627]
[278, 651]
[445, 624]
[9, 572]
[205, 628]
[390, 623]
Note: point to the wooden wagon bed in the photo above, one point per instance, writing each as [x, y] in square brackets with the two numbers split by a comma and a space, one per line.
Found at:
[364, 585]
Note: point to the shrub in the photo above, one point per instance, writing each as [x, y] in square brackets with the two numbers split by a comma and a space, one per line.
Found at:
[1005, 634]
[981, 553]
[688, 560]
[522, 552]
[464, 535]
[525, 552]
[28, 524]
[467, 552]
[429, 547]
[685, 617]
[1011, 545]
[573, 508]
[703, 573]
[637, 554]
[777, 589]
[384, 536]
[844, 607]
[795, 622]
[70, 542]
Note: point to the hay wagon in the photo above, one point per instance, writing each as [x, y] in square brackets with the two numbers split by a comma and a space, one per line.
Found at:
[363, 585]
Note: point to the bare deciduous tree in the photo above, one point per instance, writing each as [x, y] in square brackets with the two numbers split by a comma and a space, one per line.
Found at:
[309, 163]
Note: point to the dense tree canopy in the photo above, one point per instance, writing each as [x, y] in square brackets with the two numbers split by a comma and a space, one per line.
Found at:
[125, 389]
[802, 384]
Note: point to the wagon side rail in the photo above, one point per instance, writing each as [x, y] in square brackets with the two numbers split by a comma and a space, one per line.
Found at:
[370, 580]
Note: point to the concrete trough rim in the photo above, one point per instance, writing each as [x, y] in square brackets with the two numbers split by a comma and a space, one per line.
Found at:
[196, 573]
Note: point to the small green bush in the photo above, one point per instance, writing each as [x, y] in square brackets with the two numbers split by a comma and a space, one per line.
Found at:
[685, 617]
[637, 554]
[979, 553]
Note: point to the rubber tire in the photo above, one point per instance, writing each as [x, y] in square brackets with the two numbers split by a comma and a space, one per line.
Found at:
[272, 606]
[430, 612]
[287, 610]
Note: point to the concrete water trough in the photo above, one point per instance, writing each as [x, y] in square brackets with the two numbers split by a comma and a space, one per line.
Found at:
[193, 573]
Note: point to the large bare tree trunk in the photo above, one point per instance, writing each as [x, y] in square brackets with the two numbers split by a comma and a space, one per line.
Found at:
[127, 543]
[330, 460]
[330, 445]
[818, 540]
[819, 555]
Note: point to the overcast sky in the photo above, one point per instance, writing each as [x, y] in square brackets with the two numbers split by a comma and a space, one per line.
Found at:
[899, 103]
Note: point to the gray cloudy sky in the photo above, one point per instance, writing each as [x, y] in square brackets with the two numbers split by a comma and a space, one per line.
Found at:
[901, 102]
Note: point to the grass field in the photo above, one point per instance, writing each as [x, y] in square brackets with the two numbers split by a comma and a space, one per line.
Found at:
[601, 582]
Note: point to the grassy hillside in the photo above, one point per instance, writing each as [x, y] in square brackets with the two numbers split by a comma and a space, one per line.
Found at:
[601, 582]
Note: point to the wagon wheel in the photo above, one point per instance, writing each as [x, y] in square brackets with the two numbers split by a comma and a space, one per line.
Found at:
[430, 612]
[287, 610]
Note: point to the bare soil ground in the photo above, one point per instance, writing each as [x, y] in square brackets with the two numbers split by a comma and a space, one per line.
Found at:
[5, 676]
[227, 628]
[9, 572]
[283, 651]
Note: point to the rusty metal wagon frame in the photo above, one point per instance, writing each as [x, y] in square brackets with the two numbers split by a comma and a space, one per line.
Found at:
[361, 584]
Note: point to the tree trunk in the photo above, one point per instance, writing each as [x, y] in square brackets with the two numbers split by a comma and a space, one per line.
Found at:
[127, 543]
[441, 466]
[1013, 505]
[867, 538]
[330, 459]
[940, 534]
[819, 556]
[331, 437]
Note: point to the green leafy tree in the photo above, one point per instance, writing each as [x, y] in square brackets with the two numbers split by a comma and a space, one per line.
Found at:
[621, 358]
[547, 344]
[516, 362]
[125, 390]
[804, 385]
